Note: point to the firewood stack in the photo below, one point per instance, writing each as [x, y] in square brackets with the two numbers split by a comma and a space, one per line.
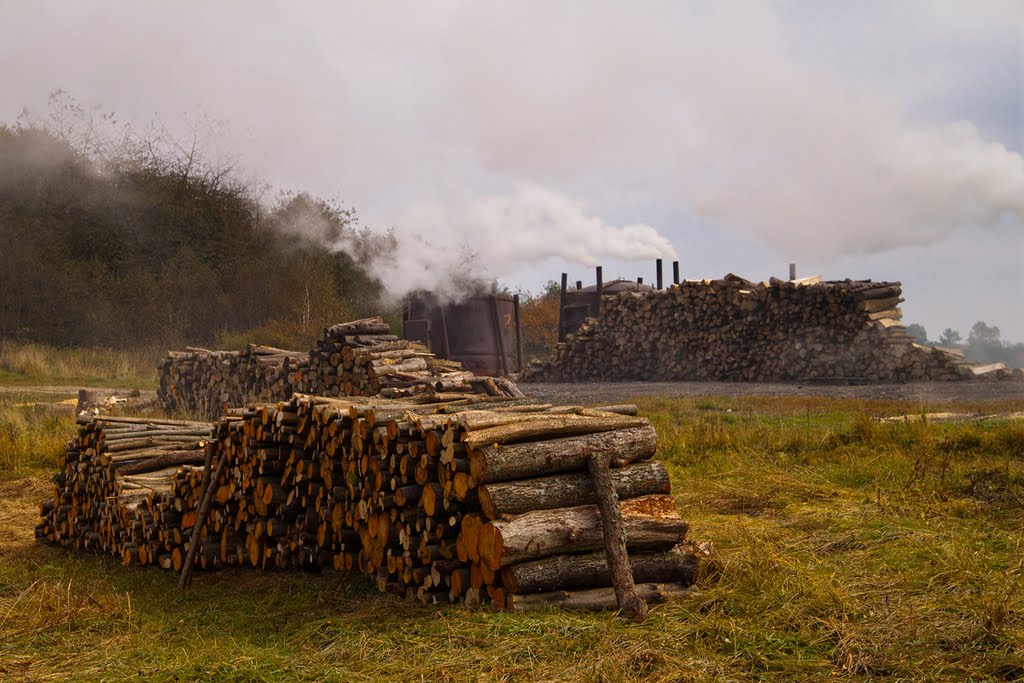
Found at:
[735, 330]
[463, 500]
[201, 382]
[124, 485]
[359, 358]
[362, 358]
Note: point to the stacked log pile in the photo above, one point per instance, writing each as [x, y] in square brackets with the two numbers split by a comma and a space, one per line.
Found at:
[462, 500]
[127, 486]
[359, 358]
[735, 330]
[201, 382]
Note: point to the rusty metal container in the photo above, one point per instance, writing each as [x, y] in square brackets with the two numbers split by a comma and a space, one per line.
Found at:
[481, 332]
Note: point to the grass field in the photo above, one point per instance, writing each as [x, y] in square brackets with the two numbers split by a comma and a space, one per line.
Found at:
[33, 364]
[842, 548]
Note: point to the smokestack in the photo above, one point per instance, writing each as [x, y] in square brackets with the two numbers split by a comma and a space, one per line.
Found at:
[675, 272]
[600, 289]
[792, 272]
[657, 268]
[561, 308]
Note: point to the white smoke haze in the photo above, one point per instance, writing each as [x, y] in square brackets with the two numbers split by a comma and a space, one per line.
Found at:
[444, 245]
[824, 130]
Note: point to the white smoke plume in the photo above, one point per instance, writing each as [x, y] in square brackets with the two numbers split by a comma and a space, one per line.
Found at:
[444, 246]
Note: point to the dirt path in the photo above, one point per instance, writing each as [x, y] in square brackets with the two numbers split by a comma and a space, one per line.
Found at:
[915, 392]
[610, 392]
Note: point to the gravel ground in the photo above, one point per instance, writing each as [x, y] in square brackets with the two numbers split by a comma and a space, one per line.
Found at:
[613, 392]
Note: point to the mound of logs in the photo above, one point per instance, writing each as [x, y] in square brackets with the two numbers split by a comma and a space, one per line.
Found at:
[201, 382]
[128, 486]
[735, 330]
[481, 500]
[358, 358]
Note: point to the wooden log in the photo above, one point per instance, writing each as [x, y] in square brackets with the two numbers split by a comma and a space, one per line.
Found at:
[570, 572]
[159, 462]
[374, 325]
[595, 599]
[553, 427]
[651, 522]
[201, 513]
[490, 464]
[631, 605]
[566, 490]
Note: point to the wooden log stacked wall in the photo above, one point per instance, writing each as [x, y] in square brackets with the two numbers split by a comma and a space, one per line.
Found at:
[202, 382]
[734, 330]
[128, 486]
[359, 358]
[483, 502]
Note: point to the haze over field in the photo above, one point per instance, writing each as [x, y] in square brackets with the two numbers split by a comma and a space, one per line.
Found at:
[858, 139]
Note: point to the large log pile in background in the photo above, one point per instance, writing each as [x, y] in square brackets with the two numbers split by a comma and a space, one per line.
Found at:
[359, 358]
[453, 498]
[201, 382]
[735, 330]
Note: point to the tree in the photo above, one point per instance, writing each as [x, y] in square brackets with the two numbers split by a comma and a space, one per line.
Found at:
[918, 332]
[950, 337]
[984, 344]
[538, 314]
[113, 238]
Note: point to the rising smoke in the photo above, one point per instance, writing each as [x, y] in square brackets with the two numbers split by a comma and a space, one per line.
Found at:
[445, 246]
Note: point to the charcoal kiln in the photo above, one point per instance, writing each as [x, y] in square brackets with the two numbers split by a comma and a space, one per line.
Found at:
[481, 332]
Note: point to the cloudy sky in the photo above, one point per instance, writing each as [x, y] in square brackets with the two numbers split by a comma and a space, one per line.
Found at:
[859, 139]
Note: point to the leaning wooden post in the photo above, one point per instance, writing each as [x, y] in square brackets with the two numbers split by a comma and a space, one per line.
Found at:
[204, 507]
[631, 605]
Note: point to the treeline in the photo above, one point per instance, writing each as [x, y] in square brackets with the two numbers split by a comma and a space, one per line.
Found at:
[143, 241]
[984, 343]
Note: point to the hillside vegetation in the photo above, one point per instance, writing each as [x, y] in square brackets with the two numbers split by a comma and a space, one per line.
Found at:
[119, 240]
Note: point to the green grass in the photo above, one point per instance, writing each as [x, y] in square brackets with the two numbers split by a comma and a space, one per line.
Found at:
[24, 364]
[840, 548]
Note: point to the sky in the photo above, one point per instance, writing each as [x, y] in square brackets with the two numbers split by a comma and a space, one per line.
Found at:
[517, 141]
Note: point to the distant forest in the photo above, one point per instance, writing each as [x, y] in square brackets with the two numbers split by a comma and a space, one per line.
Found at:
[125, 239]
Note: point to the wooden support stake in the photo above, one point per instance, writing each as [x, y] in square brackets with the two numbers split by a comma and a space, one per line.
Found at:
[197, 528]
[631, 605]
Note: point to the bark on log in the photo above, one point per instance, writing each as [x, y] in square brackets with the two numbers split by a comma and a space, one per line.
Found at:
[159, 462]
[490, 464]
[652, 523]
[375, 325]
[569, 572]
[549, 429]
[595, 599]
[567, 490]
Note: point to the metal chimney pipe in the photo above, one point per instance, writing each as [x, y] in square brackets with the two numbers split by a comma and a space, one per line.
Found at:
[561, 308]
[657, 267]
